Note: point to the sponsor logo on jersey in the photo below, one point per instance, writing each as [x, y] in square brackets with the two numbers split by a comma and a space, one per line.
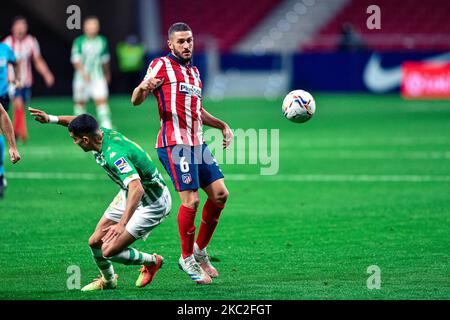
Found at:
[190, 89]
[2, 62]
[122, 165]
[186, 178]
[112, 155]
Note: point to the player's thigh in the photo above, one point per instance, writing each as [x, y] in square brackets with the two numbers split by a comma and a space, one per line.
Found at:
[117, 244]
[149, 215]
[180, 165]
[144, 220]
[99, 91]
[80, 90]
[25, 94]
[209, 170]
[96, 238]
[111, 216]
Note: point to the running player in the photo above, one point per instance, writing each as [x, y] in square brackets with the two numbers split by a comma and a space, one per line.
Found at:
[26, 49]
[178, 89]
[6, 57]
[141, 204]
[90, 58]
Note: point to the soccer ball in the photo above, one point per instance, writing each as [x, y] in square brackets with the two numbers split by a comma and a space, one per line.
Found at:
[299, 106]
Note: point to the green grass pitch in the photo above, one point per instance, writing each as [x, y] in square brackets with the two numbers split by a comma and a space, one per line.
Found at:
[365, 182]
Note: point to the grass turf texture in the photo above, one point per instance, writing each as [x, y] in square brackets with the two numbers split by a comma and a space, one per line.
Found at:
[276, 239]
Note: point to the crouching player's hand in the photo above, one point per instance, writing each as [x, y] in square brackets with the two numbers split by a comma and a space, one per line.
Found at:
[113, 232]
[39, 115]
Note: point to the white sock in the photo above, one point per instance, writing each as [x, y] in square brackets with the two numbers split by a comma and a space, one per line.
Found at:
[104, 116]
[105, 266]
[133, 256]
[79, 109]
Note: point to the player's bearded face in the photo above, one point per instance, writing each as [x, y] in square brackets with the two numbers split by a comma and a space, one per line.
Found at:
[182, 45]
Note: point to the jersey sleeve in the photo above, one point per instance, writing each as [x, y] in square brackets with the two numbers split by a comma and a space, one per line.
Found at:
[105, 57]
[124, 168]
[155, 70]
[76, 51]
[35, 48]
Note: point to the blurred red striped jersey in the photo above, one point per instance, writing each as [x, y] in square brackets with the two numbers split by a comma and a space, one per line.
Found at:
[24, 49]
[179, 101]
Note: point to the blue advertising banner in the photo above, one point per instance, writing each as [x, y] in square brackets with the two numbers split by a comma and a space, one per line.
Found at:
[354, 72]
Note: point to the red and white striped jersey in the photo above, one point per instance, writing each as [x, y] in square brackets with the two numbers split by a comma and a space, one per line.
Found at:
[179, 101]
[24, 50]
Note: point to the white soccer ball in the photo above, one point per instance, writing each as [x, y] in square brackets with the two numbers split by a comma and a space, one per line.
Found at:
[299, 106]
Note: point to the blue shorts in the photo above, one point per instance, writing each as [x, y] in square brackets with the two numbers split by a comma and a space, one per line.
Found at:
[24, 93]
[190, 168]
[4, 100]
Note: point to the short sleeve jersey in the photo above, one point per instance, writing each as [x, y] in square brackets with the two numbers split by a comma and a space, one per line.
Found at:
[125, 161]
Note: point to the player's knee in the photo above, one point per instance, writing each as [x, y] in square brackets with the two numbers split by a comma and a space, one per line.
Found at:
[192, 202]
[221, 197]
[95, 241]
[108, 251]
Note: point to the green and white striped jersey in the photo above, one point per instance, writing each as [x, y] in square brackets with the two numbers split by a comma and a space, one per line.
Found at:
[125, 161]
[92, 53]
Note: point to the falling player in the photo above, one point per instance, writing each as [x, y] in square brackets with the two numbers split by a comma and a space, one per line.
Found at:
[7, 57]
[27, 50]
[90, 58]
[178, 89]
[141, 204]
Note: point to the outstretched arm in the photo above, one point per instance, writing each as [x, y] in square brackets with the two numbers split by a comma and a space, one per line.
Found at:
[42, 67]
[43, 117]
[214, 122]
[141, 91]
[7, 128]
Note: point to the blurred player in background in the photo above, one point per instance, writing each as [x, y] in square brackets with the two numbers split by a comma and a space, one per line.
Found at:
[141, 204]
[90, 58]
[26, 49]
[185, 156]
[7, 57]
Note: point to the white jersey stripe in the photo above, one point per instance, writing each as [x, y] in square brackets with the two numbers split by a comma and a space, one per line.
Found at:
[198, 125]
[153, 71]
[173, 100]
[187, 106]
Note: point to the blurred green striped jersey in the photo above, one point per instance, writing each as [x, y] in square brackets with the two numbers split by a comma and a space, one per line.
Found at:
[125, 161]
[92, 53]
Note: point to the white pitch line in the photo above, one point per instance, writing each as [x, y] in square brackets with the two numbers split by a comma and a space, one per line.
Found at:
[355, 154]
[250, 177]
[53, 176]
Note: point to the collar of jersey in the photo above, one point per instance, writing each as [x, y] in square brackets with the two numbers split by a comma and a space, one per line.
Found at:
[178, 60]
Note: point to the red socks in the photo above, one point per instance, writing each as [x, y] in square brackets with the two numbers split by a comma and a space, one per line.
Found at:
[210, 218]
[20, 126]
[186, 228]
